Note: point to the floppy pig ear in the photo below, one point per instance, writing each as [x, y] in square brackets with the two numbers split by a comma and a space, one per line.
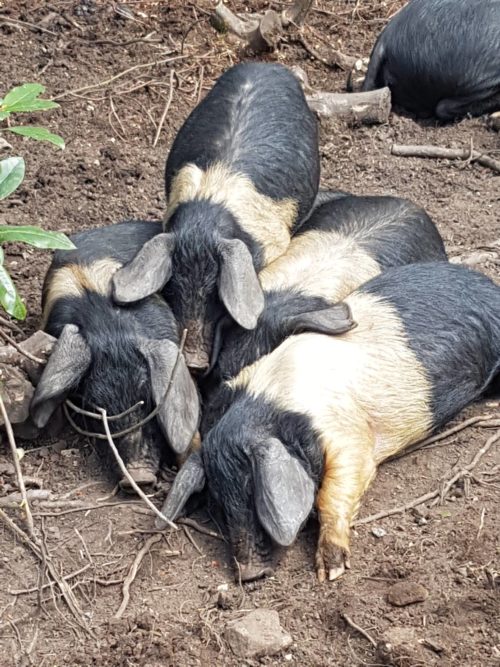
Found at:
[239, 287]
[178, 414]
[147, 273]
[336, 319]
[284, 493]
[68, 363]
[189, 480]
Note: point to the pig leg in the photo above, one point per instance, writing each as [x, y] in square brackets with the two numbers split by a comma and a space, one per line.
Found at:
[448, 109]
[349, 469]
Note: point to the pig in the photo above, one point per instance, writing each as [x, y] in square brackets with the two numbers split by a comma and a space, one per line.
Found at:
[242, 174]
[346, 241]
[310, 422]
[112, 356]
[440, 58]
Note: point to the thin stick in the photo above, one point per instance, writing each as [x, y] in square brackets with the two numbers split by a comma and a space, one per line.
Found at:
[11, 325]
[165, 110]
[445, 153]
[481, 523]
[359, 629]
[133, 572]
[106, 82]
[34, 589]
[186, 521]
[26, 24]
[437, 494]
[17, 465]
[126, 473]
[187, 533]
[16, 346]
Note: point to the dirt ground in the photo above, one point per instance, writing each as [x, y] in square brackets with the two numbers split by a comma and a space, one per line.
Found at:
[110, 172]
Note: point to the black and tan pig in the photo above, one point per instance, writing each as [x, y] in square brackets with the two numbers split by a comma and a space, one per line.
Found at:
[113, 357]
[346, 241]
[242, 174]
[310, 422]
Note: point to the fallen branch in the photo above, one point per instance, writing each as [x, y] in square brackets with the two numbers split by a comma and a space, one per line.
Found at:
[371, 107]
[438, 152]
[359, 629]
[165, 110]
[17, 465]
[13, 499]
[337, 58]
[186, 521]
[438, 494]
[261, 32]
[134, 569]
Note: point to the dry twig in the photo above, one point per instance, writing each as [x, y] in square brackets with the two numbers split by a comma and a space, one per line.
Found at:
[165, 110]
[359, 629]
[17, 347]
[438, 152]
[201, 529]
[17, 465]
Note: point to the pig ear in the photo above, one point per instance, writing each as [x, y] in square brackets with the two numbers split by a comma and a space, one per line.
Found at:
[147, 273]
[284, 492]
[68, 363]
[336, 319]
[239, 287]
[178, 415]
[189, 480]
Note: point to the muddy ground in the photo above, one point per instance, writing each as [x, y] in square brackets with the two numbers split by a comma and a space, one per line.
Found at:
[109, 172]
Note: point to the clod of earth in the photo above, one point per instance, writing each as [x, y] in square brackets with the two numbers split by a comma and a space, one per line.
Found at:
[406, 592]
[400, 647]
[257, 634]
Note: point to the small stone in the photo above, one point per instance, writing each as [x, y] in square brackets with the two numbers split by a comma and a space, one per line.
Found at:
[288, 657]
[378, 532]
[223, 587]
[406, 592]
[257, 634]
[68, 453]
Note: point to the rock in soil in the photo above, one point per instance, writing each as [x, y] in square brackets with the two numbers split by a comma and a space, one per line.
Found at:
[406, 592]
[257, 634]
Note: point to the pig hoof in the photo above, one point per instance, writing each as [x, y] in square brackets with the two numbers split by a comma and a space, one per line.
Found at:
[331, 560]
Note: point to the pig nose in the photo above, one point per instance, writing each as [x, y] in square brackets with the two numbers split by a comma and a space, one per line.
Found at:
[251, 572]
[197, 363]
[143, 477]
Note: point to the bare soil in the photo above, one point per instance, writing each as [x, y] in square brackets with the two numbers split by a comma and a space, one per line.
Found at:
[110, 172]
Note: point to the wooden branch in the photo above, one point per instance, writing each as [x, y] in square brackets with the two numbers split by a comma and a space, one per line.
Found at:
[368, 108]
[439, 152]
[261, 32]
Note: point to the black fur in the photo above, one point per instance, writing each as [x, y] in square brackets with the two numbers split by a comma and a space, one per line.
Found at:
[451, 315]
[119, 375]
[392, 231]
[452, 319]
[256, 120]
[440, 57]
[227, 455]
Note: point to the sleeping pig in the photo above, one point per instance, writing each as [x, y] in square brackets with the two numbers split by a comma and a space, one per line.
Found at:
[346, 241]
[440, 57]
[113, 357]
[241, 176]
[310, 422]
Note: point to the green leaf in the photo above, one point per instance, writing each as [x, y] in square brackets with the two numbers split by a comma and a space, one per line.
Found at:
[40, 238]
[4, 114]
[9, 298]
[38, 133]
[11, 175]
[24, 98]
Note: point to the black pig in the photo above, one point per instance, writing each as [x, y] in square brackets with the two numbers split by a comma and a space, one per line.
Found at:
[440, 57]
[310, 422]
[111, 356]
[241, 176]
[346, 241]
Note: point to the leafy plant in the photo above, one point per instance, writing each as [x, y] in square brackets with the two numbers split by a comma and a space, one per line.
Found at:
[23, 99]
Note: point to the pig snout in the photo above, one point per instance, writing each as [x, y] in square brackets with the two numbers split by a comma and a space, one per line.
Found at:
[143, 475]
[253, 571]
[197, 347]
